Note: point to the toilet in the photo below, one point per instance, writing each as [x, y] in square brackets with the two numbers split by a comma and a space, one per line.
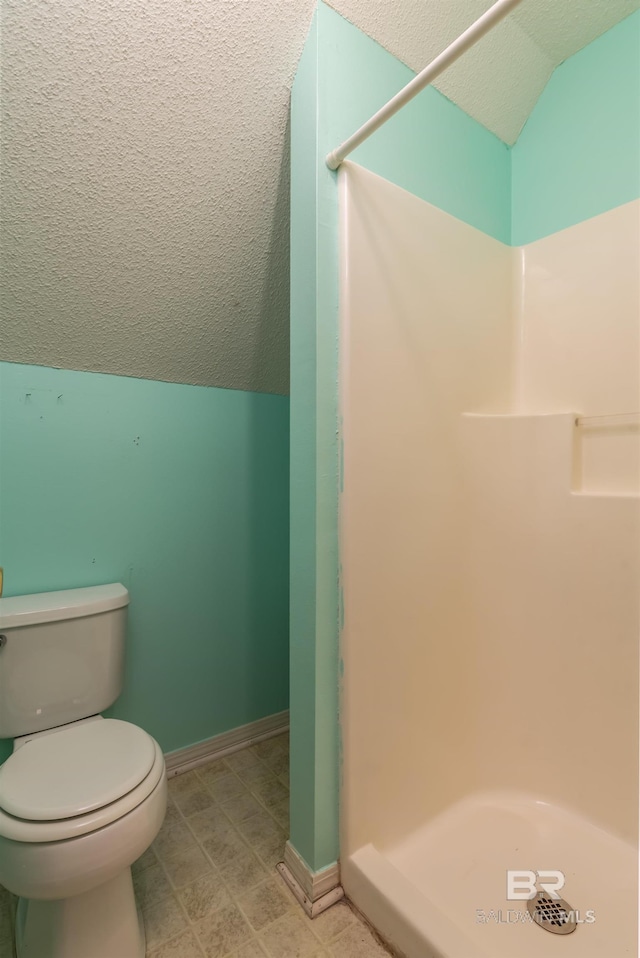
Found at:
[81, 796]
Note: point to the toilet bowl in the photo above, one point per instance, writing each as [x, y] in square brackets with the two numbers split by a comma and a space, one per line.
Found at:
[67, 841]
[82, 799]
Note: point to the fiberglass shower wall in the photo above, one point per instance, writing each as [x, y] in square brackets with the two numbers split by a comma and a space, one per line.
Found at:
[426, 336]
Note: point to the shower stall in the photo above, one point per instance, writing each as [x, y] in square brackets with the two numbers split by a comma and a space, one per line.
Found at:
[490, 545]
[489, 527]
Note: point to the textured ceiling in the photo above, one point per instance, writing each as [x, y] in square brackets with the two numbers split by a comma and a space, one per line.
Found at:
[498, 81]
[145, 166]
[145, 186]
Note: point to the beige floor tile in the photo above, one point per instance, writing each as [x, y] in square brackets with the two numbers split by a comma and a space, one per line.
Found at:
[357, 942]
[151, 886]
[225, 844]
[213, 771]
[180, 784]
[227, 787]
[204, 896]
[276, 753]
[334, 921]
[264, 904]
[172, 815]
[195, 800]
[145, 861]
[271, 851]
[163, 921]
[212, 821]
[172, 840]
[252, 949]
[270, 791]
[223, 931]
[186, 866]
[279, 765]
[259, 828]
[254, 774]
[243, 872]
[274, 761]
[289, 937]
[241, 807]
[241, 759]
[280, 812]
[297, 910]
[184, 946]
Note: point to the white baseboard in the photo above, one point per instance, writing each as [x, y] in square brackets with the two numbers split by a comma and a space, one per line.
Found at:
[316, 891]
[183, 759]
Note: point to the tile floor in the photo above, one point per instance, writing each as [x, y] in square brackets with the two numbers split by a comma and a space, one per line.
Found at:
[208, 887]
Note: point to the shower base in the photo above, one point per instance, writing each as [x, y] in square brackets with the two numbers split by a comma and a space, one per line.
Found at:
[442, 891]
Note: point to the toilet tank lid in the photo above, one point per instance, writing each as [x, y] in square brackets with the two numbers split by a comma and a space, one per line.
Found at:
[42, 607]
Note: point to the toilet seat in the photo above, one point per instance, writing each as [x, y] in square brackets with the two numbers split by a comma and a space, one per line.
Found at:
[115, 797]
[75, 770]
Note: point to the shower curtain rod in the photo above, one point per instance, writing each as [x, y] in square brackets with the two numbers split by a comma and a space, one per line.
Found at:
[466, 40]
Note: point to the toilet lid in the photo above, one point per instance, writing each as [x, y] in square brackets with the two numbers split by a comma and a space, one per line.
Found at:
[75, 770]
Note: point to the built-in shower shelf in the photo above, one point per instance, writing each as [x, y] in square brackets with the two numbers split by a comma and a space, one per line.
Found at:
[604, 421]
[607, 455]
[521, 415]
[618, 420]
[594, 456]
[581, 494]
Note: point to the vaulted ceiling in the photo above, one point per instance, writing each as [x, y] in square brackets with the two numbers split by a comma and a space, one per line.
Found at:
[145, 166]
[498, 81]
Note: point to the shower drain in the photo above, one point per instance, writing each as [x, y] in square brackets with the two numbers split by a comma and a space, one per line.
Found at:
[552, 914]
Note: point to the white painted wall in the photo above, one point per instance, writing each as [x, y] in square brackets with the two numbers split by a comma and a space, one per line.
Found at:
[490, 606]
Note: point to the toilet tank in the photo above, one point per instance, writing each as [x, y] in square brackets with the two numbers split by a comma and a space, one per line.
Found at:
[61, 656]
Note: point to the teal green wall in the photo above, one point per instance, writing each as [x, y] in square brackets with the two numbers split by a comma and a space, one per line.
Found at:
[306, 726]
[579, 153]
[437, 152]
[430, 148]
[181, 493]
